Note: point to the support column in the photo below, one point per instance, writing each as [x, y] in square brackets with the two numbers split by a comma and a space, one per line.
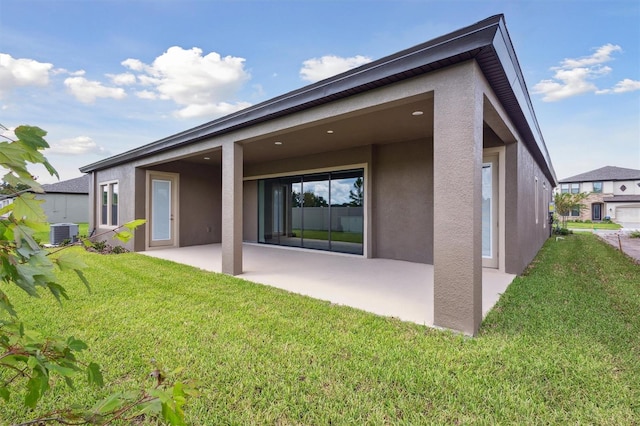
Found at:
[457, 200]
[232, 208]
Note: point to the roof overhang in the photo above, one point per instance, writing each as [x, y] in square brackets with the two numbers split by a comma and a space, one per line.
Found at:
[487, 42]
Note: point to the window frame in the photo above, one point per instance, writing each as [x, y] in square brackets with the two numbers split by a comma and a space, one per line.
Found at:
[594, 187]
[576, 187]
[108, 222]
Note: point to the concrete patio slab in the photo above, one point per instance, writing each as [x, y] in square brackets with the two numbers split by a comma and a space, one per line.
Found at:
[385, 287]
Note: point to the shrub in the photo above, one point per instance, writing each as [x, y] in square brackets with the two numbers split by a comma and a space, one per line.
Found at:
[587, 221]
[634, 234]
[562, 231]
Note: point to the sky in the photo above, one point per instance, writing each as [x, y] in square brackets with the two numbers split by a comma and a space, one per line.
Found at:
[106, 76]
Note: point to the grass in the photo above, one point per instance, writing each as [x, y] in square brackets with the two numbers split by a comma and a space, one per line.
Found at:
[596, 225]
[348, 237]
[43, 236]
[562, 346]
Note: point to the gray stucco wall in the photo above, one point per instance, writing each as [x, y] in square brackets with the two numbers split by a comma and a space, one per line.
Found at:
[403, 201]
[524, 237]
[126, 177]
[73, 208]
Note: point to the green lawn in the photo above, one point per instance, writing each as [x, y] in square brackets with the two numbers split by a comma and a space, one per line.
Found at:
[348, 237]
[561, 347]
[582, 225]
[43, 236]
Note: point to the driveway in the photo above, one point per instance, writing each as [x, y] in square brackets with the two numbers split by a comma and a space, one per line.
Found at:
[622, 240]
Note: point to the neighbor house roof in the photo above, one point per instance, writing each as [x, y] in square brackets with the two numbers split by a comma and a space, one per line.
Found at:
[622, 199]
[72, 186]
[604, 173]
[487, 42]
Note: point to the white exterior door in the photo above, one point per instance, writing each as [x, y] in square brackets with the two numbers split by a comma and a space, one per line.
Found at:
[490, 211]
[161, 209]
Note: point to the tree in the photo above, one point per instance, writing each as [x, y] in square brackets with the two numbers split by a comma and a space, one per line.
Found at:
[566, 202]
[310, 199]
[356, 195]
[28, 360]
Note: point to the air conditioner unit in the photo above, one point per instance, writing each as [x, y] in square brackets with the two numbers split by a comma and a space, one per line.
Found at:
[63, 231]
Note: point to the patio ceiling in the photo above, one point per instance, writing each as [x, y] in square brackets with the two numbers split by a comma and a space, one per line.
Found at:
[381, 125]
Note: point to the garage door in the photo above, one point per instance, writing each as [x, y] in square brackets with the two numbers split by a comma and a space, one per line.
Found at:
[628, 214]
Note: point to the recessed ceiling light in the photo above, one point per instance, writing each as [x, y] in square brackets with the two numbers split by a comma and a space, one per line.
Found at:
[330, 131]
[417, 113]
[207, 158]
[278, 143]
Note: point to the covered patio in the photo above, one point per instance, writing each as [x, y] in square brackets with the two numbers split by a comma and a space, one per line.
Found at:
[385, 287]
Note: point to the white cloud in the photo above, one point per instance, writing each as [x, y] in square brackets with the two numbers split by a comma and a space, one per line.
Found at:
[317, 69]
[575, 76]
[624, 86]
[146, 94]
[87, 91]
[602, 55]
[202, 85]
[123, 79]
[211, 109]
[22, 72]
[80, 145]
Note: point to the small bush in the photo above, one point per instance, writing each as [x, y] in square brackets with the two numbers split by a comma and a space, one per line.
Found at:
[587, 221]
[99, 245]
[562, 231]
[118, 250]
[634, 234]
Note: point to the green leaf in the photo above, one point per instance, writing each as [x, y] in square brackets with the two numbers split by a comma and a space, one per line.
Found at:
[123, 236]
[94, 375]
[83, 279]
[4, 393]
[134, 224]
[6, 305]
[36, 386]
[68, 261]
[26, 206]
[76, 344]
[63, 371]
[171, 416]
[109, 404]
[32, 136]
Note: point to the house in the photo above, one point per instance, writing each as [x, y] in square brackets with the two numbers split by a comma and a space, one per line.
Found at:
[66, 201]
[614, 192]
[430, 155]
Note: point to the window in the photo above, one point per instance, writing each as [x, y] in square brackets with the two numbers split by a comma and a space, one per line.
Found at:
[537, 202]
[109, 204]
[564, 188]
[575, 211]
[323, 211]
[597, 187]
[575, 188]
[545, 198]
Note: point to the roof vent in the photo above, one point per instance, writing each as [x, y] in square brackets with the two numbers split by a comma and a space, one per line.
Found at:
[60, 232]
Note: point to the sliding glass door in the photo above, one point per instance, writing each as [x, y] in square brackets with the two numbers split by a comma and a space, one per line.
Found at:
[322, 211]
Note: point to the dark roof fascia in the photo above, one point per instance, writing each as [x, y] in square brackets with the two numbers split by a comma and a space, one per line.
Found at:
[509, 84]
[622, 199]
[484, 41]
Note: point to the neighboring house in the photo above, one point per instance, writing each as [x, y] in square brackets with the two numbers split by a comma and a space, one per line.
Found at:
[66, 201]
[614, 192]
[430, 155]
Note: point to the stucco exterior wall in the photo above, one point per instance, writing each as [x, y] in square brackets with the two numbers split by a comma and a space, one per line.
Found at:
[524, 237]
[125, 176]
[70, 208]
[402, 205]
